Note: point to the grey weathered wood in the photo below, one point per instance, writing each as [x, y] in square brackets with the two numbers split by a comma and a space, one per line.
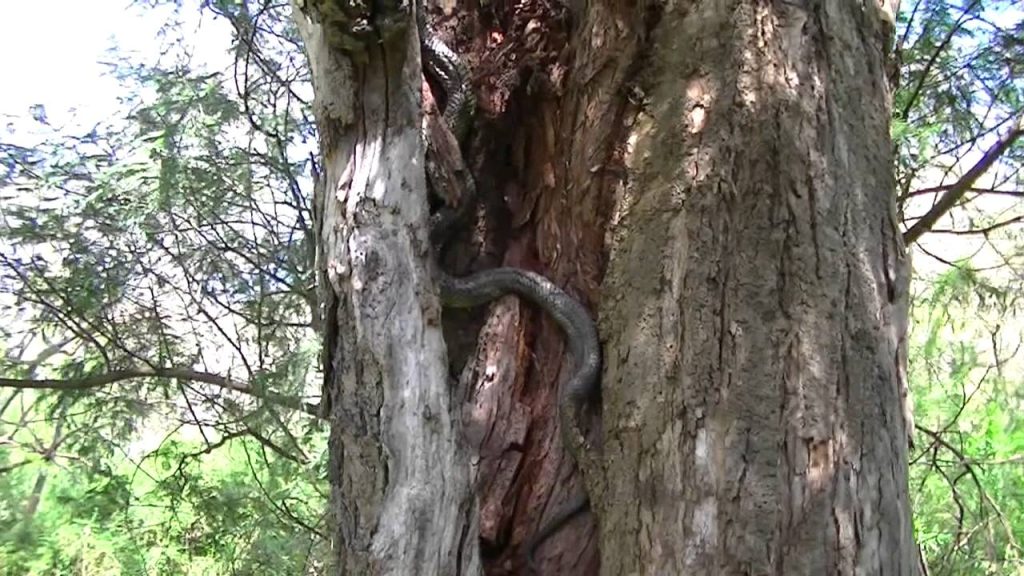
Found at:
[401, 501]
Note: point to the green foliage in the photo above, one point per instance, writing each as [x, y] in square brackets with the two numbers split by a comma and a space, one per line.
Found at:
[960, 91]
[177, 237]
[967, 478]
[183, 509]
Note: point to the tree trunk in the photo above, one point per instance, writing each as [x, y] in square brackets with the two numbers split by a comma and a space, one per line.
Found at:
[723, 173]
[759, 278]
[400, 501]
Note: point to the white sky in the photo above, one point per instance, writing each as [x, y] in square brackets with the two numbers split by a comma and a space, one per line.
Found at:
[56, 63]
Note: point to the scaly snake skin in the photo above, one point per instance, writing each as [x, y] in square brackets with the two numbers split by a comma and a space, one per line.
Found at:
[482, 287]
[450, 71]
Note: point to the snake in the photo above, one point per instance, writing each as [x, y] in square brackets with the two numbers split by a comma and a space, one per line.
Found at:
[583, 384]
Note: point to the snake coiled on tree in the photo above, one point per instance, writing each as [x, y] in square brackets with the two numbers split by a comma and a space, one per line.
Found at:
[447, 68]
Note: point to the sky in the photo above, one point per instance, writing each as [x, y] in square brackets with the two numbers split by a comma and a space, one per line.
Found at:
[59, 64]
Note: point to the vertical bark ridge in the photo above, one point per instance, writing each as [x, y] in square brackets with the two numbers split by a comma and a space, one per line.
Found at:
[761, 180]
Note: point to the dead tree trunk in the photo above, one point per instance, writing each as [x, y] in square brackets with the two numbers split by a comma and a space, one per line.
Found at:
[714, 181]
[401, 501]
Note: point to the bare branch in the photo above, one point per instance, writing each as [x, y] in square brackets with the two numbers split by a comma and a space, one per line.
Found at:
[939, 49]
[114, 376]
[961, 187]
[984, 230]
[974, 190]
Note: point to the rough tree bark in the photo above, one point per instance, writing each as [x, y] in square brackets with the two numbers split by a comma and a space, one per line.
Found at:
[714, 180]
[768, 435]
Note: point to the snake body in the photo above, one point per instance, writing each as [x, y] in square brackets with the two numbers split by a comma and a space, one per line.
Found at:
[447, 68]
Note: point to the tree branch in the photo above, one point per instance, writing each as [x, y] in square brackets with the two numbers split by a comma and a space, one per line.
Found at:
[962, 186]
[115, 376]
[916, 92]
[972, 189]
[985, 230]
